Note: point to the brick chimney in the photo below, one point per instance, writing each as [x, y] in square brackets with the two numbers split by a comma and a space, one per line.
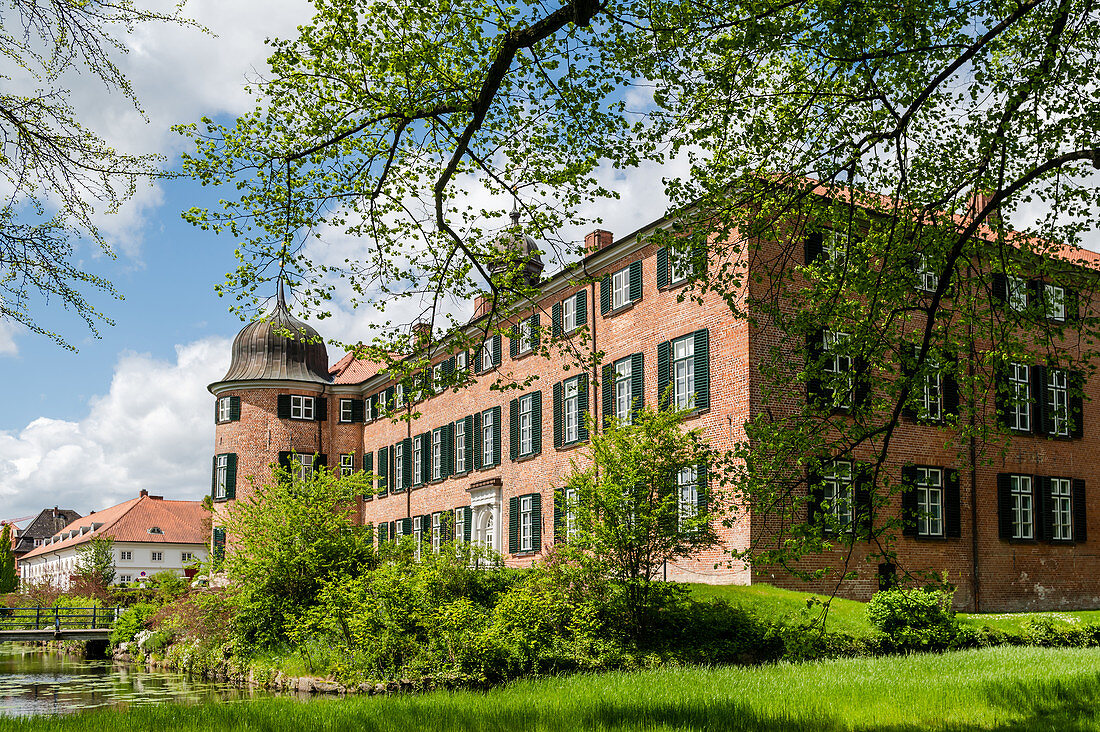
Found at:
[422, 332]
[978, 201]
[597, 240]
[143, 493]
[481, 305]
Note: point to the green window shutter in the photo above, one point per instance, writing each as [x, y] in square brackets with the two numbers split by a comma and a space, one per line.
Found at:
[559, 515]
[557, 415]
[909, 510]
[466, 524]
[608, 404]
[388, 396]
[536, 326]
[664, 378]
[702, 499]
[406, 463]
[218, 548]
[605, 294]
[513, 341]
[1076, 383]
[662, 268]
[217, 401]
[214, 478]
[556, 319]
[447, 451]
[320, 460]
[320, 409]
[283, 408]
[234, 408]
[1080, 514]
[468, 436]
[496, 350]
[702, 369]
[582, 411]
[952, 510]
[536, 423]
[637, 383]
[513, 525]
[358, 414]
[406, 527]
[536, 521]
[383, 470]
[636, 281]
[496, 435]
[284, 460]
[231, 475]
[582, 308]
[383, 533]
[513, 429]
[475, 454]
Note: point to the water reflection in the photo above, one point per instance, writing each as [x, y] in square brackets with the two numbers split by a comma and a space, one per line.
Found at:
[35, 682]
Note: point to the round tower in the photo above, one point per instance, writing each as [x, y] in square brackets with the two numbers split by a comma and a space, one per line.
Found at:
[270, 403]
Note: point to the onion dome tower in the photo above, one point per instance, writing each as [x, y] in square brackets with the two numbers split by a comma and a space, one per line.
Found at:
[515, 250]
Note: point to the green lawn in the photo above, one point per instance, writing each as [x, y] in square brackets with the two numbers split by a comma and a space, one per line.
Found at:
[1003, 689]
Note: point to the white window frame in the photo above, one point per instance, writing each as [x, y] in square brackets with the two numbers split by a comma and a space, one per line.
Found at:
[834, 247]
[1057, 388]
[304, 467]
[683, 372]
[399, 395]
[187, 556]
[620, 288]
[345, 410]
[570, 496]
[487, 453]
[399, 466]
[418, 535]
[676, 273]
[347, 464]
[1054, 301]
[931, 396]
[125, 579]
[838, 493]
[126, 555]
[526, 424]
[1016, 293]
[687, 481]
[1021, 488]
[524, 339]
[437, 378]
[418, 461]
[437, 454]
[569, 314]
[156, 556]
[436, 532]
[928, 280]
[221, 476]
[460, 524]
[1061, 504]
[301, 407]
[930, 504]
[460, 362]
[839, 366]
[623, 386]
[224, 408]
[486, 356]
[570, 407]
[1019, 395]
[460, 446]
[525, 524]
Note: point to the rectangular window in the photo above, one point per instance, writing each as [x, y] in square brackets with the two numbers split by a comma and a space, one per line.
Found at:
[158, 556]
[418, 461]
[301, 407]
[687, 479]
[569, 314]
[570, 513]
[125, 556]
[460, 524]
[125, 579]
[838, 368]
[837, 493]
[398, 466]
[930, 501]
[437, 378]
[418, 535]
[345, 410]
[1022, 515]
[927, 278]
[221, 476]
[1061, 505]
[1016, 295]
[223, 409]
[1054, 300]
[399, 395]
[436, 531]
[624, 399]
[834, 247]
[437, 454]
[460, 446]
[1058, 401]
[683, 372]
[460, 362]
[347, 464]
[487, 456]
[187, 557]
[676, 270]
[525, 514]
[305, 466]
[571, 410]
[526, 406]
[486, 356]
[931, 396]
[620, 288]
[523, 331]
[1019, 390]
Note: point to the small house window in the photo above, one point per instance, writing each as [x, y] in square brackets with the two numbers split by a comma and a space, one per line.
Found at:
[158, 556]
[301, 407]
[345, 410]
[347, 464]
[620, 288]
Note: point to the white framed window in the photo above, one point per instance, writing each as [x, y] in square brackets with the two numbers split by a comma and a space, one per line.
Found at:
[571, 410]
[460, 446]
[931, 394]
[158, 556]
[399, 395]
[345, 410]
[437, 454]
[677, 270]
[488, 456]
[1022, 504]
[418, 461]
[221, 476]
[930, 501]
[1058, 401]
[837, 496]
[187, 557]
[683, 372]
[687, 481]
[224, 406]
[125, 555]
[399, 465]
[125, 579]
[1019, 392]
[460, 524]
[834, 247]
[347, 464]
[486, 356]
[570, 512]
[624, 398]
[437, 526]
[569, 314]
[927, 278]
[620, 288]
[301, 407]
[525, 516]
[1016, 295]
[1061, 504]
[305, 466]
[523, 334]
[418, 535]
[460, 362]
[437, 378]
[1054, 300]
[838, 367]
[526, 408]
[398, 529]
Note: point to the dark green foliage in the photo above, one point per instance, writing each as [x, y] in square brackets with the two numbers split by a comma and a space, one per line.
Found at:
[914, 619]
[8, 581]
[132, 620]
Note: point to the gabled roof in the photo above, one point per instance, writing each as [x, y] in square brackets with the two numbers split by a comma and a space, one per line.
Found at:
[180, 522]
[352, 370]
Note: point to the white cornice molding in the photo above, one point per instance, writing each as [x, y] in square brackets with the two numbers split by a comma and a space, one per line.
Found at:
[220, 387]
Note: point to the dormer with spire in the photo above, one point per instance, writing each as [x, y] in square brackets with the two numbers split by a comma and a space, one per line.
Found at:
[515, 250]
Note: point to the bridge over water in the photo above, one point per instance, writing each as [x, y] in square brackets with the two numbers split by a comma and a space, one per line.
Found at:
[53, 623]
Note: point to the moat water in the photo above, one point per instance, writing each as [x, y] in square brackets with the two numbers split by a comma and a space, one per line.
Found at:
[34, 682]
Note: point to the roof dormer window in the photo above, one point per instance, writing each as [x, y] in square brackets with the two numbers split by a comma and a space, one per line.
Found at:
[155, 530]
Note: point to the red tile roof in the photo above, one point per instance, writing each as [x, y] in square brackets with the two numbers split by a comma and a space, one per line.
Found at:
[352, 370]
[181, 522]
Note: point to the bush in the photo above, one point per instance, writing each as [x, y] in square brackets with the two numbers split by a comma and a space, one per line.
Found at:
[130, 622]
[914, 619]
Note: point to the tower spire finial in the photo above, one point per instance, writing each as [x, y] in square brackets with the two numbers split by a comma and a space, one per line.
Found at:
[282, 295]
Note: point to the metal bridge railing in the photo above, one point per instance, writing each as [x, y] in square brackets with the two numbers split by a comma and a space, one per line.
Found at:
[58, 618]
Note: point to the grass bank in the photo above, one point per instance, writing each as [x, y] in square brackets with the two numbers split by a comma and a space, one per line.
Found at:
[1008, 688]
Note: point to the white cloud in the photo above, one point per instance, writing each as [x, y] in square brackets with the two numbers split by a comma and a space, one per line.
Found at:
[8, 330]
[153, 429]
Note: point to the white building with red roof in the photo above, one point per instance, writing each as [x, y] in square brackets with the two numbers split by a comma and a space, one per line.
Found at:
[150, 535]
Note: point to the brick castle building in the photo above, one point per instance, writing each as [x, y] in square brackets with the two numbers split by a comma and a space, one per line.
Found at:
[483, 464]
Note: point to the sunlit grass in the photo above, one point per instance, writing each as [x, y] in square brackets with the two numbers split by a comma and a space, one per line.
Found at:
[1010, 688]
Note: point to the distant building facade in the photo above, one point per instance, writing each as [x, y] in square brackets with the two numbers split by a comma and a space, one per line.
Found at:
[48, 522]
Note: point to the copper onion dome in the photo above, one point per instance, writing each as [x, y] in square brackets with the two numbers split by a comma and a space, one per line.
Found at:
[262, 350]
[517, 248]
